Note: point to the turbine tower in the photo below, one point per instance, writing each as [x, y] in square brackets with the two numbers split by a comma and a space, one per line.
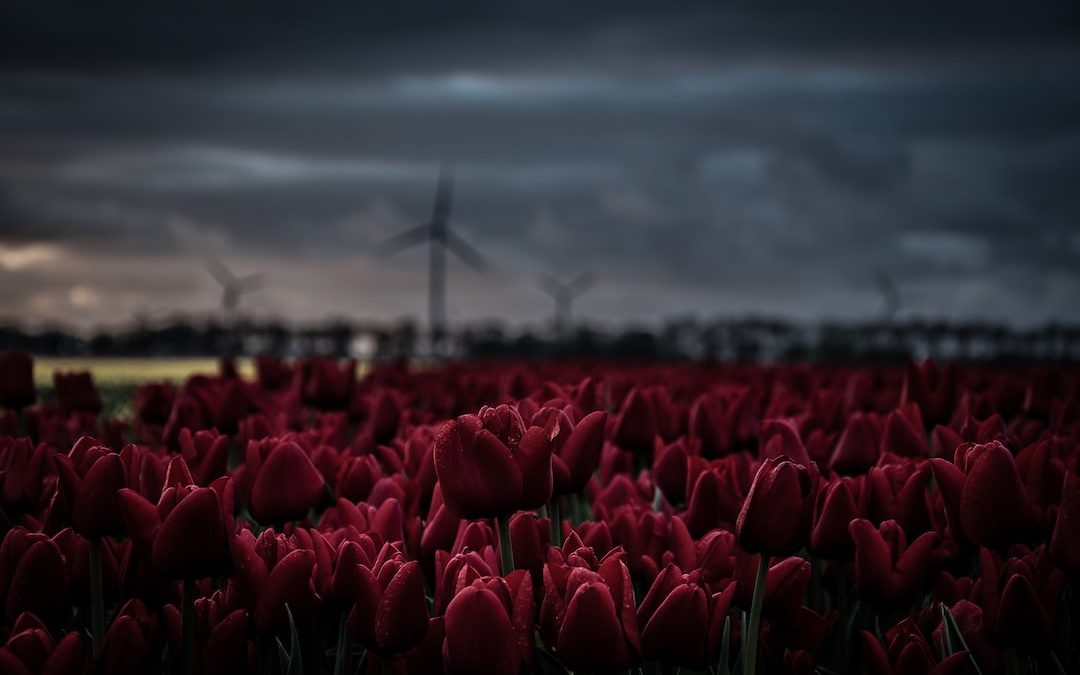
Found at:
[232, 286]
[892, 302]
[440, 239]
[564, 294]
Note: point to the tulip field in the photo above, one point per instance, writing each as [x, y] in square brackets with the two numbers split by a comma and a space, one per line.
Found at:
[543, 517]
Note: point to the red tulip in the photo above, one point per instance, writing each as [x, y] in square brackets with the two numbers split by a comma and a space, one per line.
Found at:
[391, 613]
[908, 653]
[272, 373]
[75, 392]
[489, 626]
[857, 449]
[356, 476]
[985, 501]
[904, 434]
[715, 491]
[835, 509]
[188, 533]
[221, 637]
[32, 576]
[679, 619]
[588, 609]
[324, 384]
[27, 475]
[288, 583]
[723, 421]
[284, 484]
[90, 478]
[636, 425]
[575, 452]
[490, 464]
[781, 437]
[933, 388]
[889, 572]
[669, 468]
[775, 518]
[17, 389]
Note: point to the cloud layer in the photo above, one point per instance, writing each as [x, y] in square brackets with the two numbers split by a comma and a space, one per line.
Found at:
[695, 159]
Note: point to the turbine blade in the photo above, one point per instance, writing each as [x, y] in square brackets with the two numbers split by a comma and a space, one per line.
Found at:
[444, 195]
[549, 284]
[251, 282]
[581, 283]
[218, 270]
[466, 252]
[401, 241]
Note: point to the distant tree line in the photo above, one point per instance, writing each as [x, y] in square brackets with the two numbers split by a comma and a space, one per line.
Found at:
[742, 340]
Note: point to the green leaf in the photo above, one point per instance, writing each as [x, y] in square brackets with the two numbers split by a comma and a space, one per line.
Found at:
[951, 625]
[292, 661]
[723, 668]
[284, 660]
[342, 645]
[947, 632]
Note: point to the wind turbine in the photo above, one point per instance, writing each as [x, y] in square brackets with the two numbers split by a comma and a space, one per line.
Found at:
[564, 294]
[232, 286]
[892, 302]
[440, 239]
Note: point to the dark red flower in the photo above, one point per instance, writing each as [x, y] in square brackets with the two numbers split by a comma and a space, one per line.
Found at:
[780, 437]
[985, 501]
[188, 534]
[889, 572]
[75, 392]
[289, 583]
[489, 626]
[272, 373]
[325, 384]
[636, 424]
[587, 609]
[680, 622]
[390, 615]
[836, 508]
[283, 483]
[33, 577]
[723, 421]
[17, 388]
[669, 468]
[90, 478]
[575, 450]
[857, 450]
[491, 464]
[775, 518]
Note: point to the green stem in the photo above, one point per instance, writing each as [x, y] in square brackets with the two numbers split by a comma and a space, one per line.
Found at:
[387, 662]
[754, 629]
[505, 549]
[189, 627]
[556, 523]
[343, 662]
[97, 596]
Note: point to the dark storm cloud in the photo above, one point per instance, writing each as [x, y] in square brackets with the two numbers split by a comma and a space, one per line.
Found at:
[696, 158]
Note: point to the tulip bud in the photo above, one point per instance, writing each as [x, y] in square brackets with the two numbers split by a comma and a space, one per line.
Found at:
[492, 465]
[17, 388]
[775, 518]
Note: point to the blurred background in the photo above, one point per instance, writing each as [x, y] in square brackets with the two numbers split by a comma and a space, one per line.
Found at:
[795, 167]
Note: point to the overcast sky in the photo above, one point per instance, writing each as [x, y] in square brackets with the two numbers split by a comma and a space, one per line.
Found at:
[695, 159]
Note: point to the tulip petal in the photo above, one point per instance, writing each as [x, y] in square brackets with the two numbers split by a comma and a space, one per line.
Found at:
[479, 636]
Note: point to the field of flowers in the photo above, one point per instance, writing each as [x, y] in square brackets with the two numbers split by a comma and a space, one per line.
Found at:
[543, 518]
